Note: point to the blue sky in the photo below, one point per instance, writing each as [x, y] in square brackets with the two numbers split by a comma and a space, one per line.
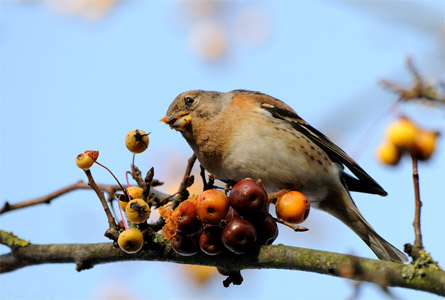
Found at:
[68, 84]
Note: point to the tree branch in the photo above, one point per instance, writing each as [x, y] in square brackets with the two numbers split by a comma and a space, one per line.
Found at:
[48, 198]
[86, 256]
[420, 89]
[80, 185]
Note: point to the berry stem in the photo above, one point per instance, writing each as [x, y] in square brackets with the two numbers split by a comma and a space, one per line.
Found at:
[294, 227]
[111, 175]
[122, 217]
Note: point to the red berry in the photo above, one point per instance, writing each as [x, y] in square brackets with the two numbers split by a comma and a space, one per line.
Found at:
[186, 220]
[239, 235]
[231, 213]
[249, 199]
[267, 230]
[184, 245]
[222, 271]
[210, 240]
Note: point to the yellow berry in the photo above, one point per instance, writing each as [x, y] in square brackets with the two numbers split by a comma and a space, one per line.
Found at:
[388, 153]
[86, 159]
[134, 191]
[137, 141]
[402, 133]
[425, 144]
[137, 211]
[123, 203]
[130, 240]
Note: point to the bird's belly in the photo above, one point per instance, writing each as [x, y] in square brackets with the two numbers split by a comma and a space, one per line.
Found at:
[282, 160]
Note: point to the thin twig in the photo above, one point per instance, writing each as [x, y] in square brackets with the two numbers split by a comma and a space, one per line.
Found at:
[112, 232]
[273, 197]
[420, 89]
[137, 175]
[202, 173]
[418, 204]
[186, 182]
[80, 185]
[147, 184]
[211, 183]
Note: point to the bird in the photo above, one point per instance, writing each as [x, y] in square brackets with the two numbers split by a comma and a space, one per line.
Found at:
[247, 134]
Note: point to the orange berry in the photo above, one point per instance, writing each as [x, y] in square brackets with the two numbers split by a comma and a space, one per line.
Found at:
[212, 206]
[86, 159]
[130, 240]
[425, 144]
[292, 207]
[388, 153]
[402, 133]
[201, 274]
[137, 211]
[137, 141]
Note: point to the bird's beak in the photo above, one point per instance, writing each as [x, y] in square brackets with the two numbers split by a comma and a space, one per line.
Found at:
[178, 121]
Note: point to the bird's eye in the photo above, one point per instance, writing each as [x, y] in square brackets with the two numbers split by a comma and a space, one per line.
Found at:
[189, 100]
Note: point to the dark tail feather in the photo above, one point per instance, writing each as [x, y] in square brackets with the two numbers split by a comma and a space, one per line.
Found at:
[382, 248]
[349, 214]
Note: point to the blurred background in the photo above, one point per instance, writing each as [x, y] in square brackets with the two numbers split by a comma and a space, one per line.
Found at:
[80, 74]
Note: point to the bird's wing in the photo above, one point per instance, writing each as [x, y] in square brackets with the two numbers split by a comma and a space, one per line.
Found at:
[364, 183]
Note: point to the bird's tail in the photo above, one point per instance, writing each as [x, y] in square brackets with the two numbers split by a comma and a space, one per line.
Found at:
[349, 214]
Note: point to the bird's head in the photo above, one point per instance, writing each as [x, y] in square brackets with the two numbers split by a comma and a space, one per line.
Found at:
[191, 105]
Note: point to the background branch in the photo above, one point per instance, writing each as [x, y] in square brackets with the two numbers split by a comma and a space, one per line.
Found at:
[80, 185]
[48, 198]
[86, 256]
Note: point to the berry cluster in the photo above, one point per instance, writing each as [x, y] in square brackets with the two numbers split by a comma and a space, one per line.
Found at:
[136, 210]
[214, 222]
[403, 136]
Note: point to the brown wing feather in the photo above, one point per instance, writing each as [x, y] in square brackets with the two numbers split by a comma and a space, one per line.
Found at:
[364, 183]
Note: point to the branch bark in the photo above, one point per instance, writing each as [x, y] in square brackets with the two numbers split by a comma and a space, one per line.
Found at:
[86, 256]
